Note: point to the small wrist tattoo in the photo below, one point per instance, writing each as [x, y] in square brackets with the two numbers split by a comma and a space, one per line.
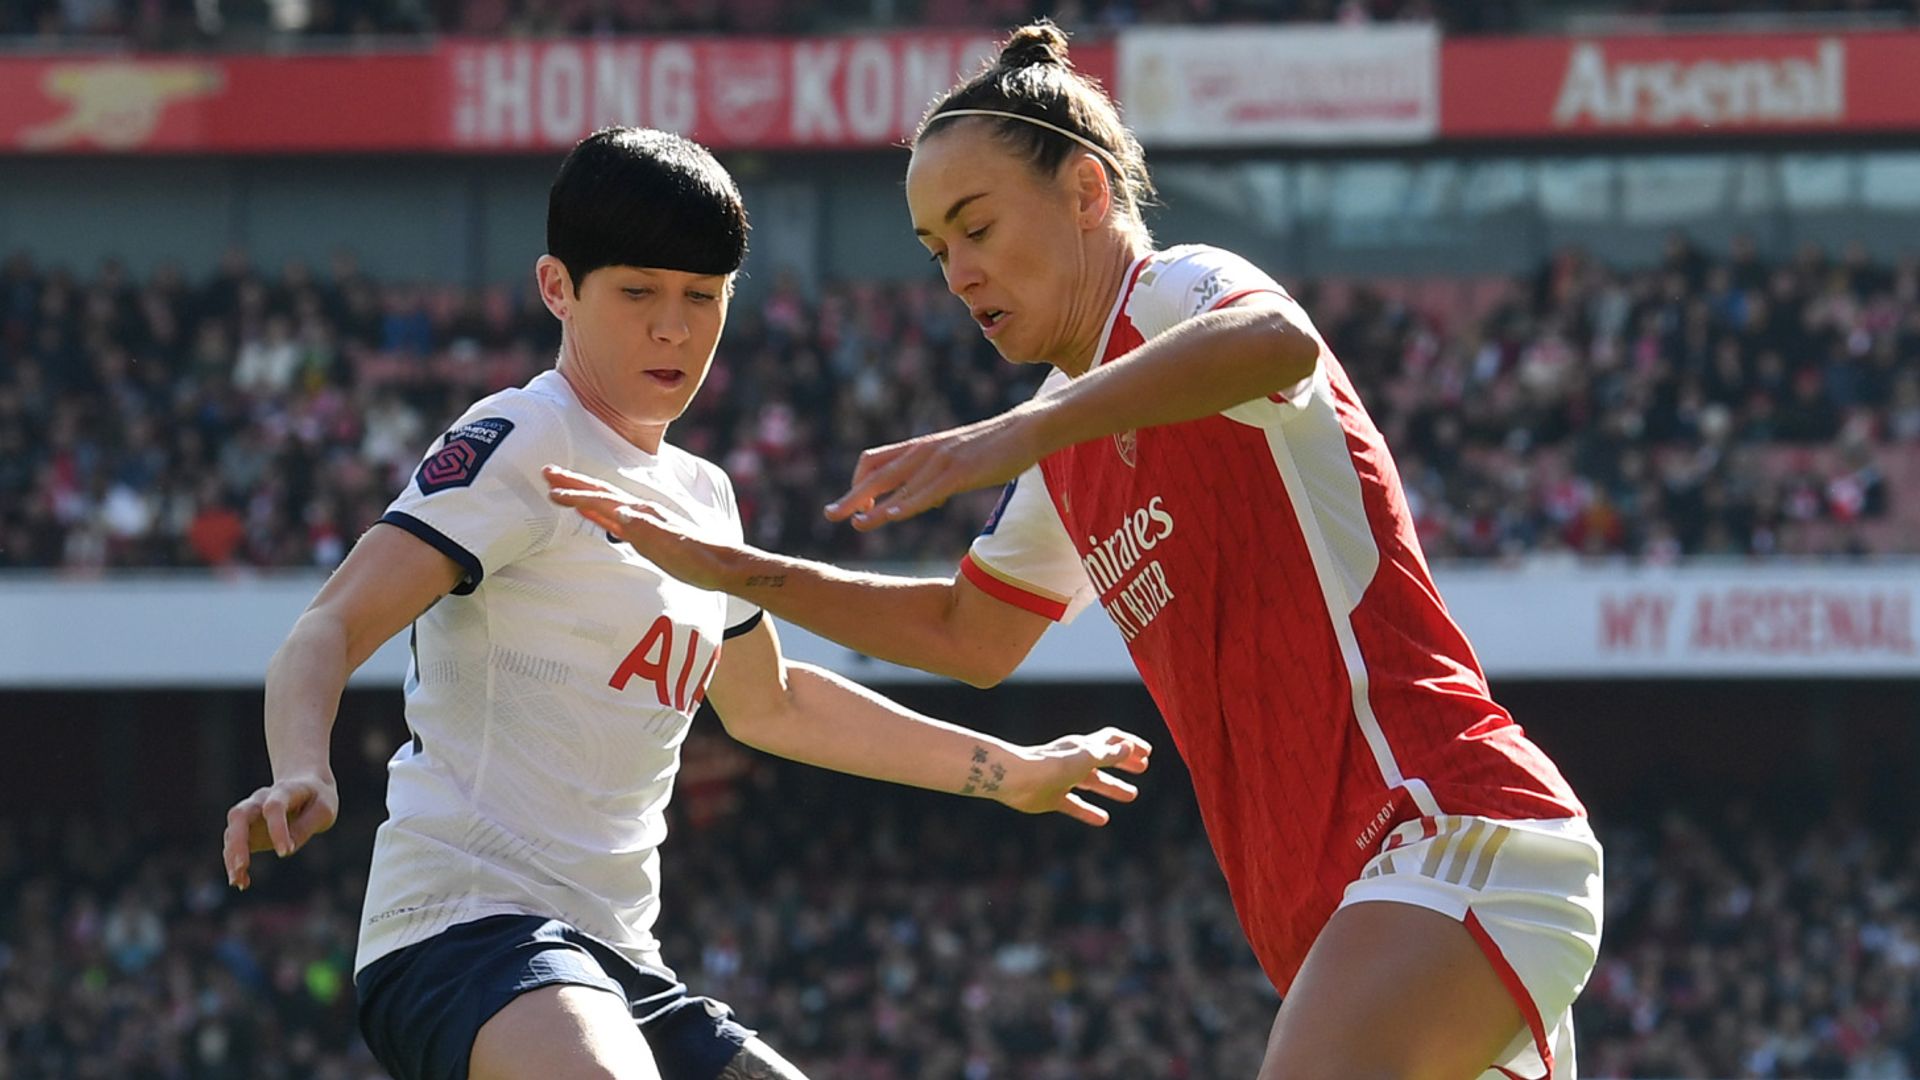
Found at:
[768, 581]
[977, 781]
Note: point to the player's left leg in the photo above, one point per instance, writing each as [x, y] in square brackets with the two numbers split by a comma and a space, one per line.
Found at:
[1459, 950]
[758, 1061]
[1392, 991]
[561, 1032]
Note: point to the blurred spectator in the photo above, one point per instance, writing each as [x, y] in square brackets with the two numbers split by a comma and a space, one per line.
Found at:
[873, 936]
[1601, 412]
[1739, 948]
[252, 23]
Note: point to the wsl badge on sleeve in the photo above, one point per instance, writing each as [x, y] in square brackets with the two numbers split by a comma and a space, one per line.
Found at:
[461, 454]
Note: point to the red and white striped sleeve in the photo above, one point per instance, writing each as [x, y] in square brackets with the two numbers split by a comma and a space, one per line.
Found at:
[1024, 557]
[1183, 282]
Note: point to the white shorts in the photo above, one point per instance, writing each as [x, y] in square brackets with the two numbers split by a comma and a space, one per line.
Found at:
[1529, 892]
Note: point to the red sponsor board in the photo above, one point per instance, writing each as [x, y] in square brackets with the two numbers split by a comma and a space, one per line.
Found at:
[88, 104]
[731, 93]
[868, 90]
[1679, 85]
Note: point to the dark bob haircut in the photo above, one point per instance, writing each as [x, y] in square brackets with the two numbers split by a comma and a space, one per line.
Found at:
[638, 197]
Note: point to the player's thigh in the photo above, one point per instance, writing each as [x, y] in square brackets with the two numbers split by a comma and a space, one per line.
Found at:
[562, 1033]
[1392, 990]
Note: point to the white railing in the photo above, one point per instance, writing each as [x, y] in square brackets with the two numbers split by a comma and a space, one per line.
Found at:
[1532, 621]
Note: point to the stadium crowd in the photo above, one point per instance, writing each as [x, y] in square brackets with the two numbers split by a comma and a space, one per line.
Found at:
[250, 23]
[1694, 405]
[874, 937]
[200, 24]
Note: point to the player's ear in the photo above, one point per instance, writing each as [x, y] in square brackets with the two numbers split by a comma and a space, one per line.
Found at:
[556, 285]
[1092, 192]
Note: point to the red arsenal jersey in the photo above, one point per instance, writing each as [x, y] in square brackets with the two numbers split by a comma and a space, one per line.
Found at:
[1262, 566]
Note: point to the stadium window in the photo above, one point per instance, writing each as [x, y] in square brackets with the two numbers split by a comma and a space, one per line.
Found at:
[1368, 190]
[1269, 195]
[1890, 181]
[1817, 181]
[1754, 185]
[1671, 189]
[1495, 187]
[1254, 192]
[1433, 190]
[1577, 189]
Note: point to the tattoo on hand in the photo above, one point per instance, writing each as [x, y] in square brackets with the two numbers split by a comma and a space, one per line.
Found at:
[770, 581]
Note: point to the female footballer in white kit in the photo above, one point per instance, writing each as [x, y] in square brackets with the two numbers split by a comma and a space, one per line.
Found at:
[507, 929]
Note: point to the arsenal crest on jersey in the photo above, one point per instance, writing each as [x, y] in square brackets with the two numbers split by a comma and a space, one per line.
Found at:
[1127, 443]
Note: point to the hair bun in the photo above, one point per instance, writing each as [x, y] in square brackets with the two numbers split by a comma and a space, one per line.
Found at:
[1037, 43]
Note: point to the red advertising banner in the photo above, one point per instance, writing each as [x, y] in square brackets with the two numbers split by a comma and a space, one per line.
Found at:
[731, 93]
[84, 104]
[1679, 85]
[870, 90]
[761, 93]
[768, 93]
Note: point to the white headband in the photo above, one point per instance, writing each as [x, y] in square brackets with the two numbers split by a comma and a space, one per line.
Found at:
[1092, 147]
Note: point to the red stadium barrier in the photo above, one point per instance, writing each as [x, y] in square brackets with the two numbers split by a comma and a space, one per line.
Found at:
[731, 93]
[246, 104]
[869, 90]
[765, 93]
[1679, 85]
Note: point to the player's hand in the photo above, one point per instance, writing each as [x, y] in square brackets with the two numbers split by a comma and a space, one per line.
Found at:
[1051, 778]
[895, 482]
[661, 540]
[280, 818]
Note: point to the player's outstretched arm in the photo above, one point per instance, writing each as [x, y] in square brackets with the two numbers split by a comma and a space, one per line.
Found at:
[1255, 346]
[945, 626]
[387, 580]
[808, 714]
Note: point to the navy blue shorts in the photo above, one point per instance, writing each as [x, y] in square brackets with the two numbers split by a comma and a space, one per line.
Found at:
[421, 1006]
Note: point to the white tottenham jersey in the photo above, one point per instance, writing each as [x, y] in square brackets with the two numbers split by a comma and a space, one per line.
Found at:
[550, 692]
